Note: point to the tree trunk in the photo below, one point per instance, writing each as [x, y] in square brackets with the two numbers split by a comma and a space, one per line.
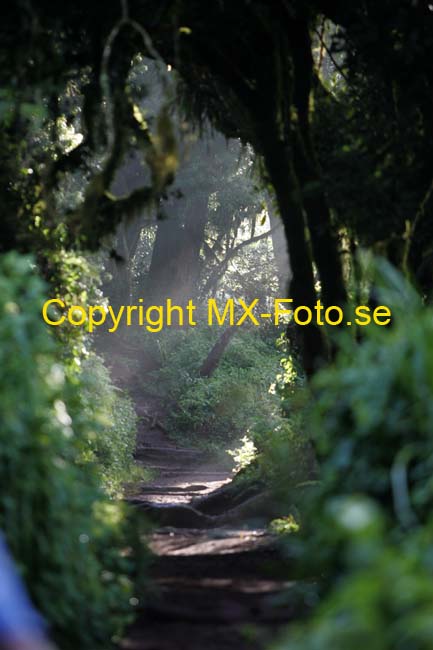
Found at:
[323, 240]
[279, 245]
[212, 360]
[119, 289]
[279, 166]
[161, 281]
[175, 266]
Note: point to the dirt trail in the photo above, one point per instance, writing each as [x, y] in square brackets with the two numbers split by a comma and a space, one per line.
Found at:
[215, 587]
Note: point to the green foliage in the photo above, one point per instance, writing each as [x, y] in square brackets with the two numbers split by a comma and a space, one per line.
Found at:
[366, 527]
[284, 525]
[66, 536]
[285, 459]
[75, 279]
[384, 599]
[373, 416]
[244, 455]
[114, 444]
[221, 408]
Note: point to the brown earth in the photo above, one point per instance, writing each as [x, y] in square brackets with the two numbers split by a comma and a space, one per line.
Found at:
[219, 582]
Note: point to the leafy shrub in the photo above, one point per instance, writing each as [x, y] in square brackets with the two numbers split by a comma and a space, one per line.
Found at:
[220, 408]
[66, 536]
[244, 455]
[285, 458]
[384, 599]
[367, 526]
[373, 414]
[114, 444]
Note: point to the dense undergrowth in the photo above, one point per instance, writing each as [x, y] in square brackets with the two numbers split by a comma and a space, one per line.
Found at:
[214, 412]
[366, 526]
[59, 459]
[113, 446]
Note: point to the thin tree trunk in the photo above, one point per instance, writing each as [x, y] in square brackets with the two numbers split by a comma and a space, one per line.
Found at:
[212, 360]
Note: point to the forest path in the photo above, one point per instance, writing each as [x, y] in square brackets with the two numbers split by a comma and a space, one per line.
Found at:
[215, 586]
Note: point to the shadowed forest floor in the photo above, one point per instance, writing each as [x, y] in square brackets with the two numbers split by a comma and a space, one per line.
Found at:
[216, 584]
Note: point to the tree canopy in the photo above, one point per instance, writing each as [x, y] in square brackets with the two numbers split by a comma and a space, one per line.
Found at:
[254, 70]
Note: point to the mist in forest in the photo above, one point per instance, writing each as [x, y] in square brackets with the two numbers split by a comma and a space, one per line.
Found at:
[214, 235]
